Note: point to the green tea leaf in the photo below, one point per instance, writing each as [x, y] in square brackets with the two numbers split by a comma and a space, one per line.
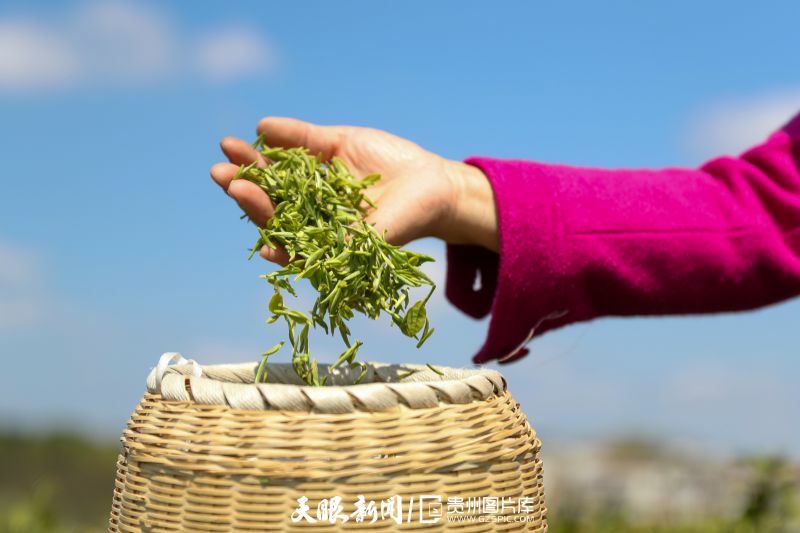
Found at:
[425, 336]
[261, 374]
[273, 349]
[348, 355]
[404, 375]
[319, 219]
[435, 369]
[276, 303]
[364, 369]
[415, 319]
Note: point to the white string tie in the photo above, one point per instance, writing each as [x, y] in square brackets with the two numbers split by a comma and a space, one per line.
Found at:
[175, 358]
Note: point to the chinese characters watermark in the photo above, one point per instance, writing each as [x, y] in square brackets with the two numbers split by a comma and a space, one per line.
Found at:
[424, 509]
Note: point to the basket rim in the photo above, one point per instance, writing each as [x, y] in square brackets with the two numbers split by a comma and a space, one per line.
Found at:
[233, 385]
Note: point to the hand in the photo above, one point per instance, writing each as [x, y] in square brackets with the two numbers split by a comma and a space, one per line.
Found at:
[419, 194]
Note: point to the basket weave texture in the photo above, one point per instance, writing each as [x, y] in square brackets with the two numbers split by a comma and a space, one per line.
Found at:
[217, 452]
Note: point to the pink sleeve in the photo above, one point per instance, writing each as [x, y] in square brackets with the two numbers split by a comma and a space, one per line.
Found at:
[581, 243]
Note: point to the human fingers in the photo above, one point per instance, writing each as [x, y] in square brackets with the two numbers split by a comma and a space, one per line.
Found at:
[278, 255]
[240, 152]
[253, 201]
[289, 133]
[223, 174]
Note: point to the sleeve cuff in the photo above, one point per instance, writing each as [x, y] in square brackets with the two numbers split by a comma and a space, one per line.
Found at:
[471, 278]
[507, 289]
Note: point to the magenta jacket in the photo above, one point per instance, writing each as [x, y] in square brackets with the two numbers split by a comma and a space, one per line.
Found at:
[581, 243]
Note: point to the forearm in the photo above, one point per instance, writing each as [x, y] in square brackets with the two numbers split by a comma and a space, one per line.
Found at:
[576, 243]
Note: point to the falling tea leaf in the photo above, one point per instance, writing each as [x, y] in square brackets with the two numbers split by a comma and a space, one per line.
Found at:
[319, 219]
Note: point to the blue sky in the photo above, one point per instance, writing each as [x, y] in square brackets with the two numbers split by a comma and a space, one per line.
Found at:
[115, 245]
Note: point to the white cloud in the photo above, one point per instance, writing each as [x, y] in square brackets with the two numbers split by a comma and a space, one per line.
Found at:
[124, 42]
[119, 43]
[731, 126]
[233, 53]
[21, 294]
[31, 58]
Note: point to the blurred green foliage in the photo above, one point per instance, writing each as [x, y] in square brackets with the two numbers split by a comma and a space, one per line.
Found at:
[63, 484]
[54, 483]
[772, 506]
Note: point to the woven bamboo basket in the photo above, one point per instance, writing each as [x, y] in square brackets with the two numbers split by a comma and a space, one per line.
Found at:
[208, 450]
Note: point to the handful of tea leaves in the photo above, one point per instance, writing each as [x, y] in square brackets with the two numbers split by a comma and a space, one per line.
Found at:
[319, 220]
